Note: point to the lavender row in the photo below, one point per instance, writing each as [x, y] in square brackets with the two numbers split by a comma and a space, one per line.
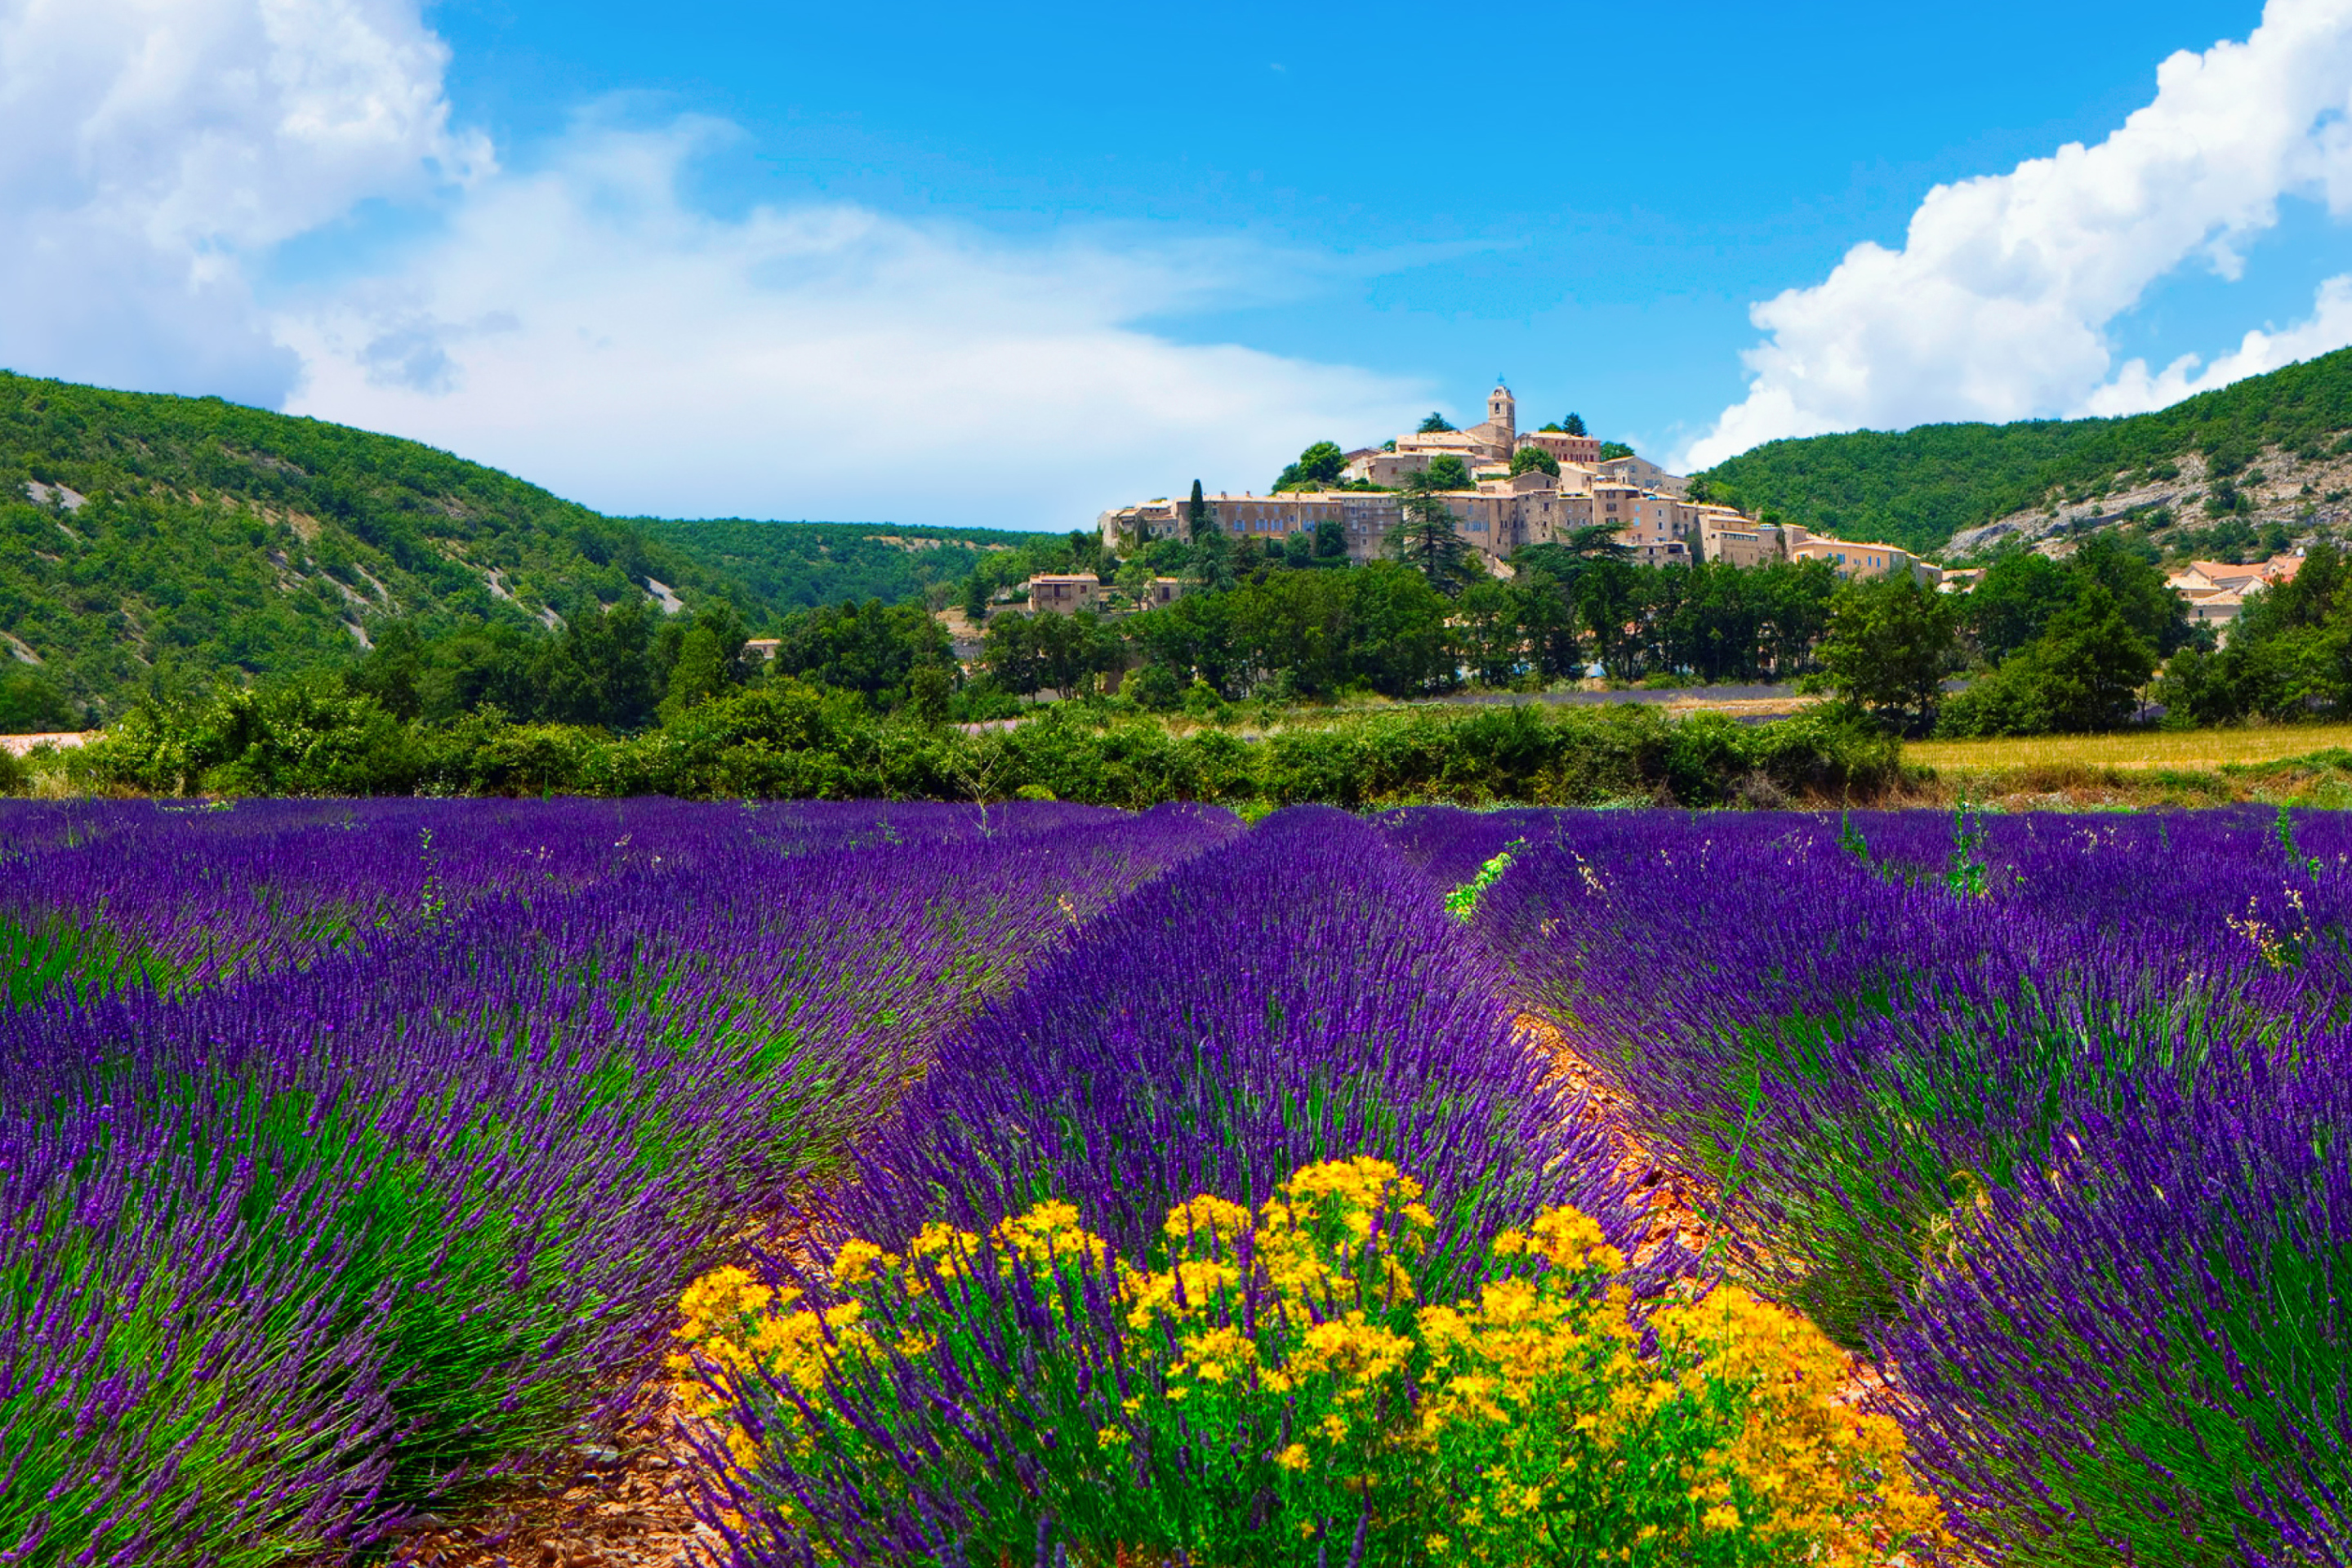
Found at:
[1297, 998]
[101, 895]
[2048, 1110]
[296, 1251]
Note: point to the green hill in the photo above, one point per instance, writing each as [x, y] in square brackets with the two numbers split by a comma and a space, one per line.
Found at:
[795, 565]
[1918, 487]
[147, 538]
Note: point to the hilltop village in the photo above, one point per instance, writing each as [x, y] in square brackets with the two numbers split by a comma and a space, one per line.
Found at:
[1508, 489]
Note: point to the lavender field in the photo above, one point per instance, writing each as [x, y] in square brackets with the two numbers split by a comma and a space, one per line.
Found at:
[1059, 1185]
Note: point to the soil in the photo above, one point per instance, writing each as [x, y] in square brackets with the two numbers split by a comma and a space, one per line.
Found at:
[1675, 1197]
[624, 1506]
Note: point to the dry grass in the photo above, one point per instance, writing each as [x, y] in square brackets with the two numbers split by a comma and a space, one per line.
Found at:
[2187, 750]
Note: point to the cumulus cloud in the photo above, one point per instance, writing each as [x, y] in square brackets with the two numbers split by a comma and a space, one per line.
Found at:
[580, 321]
[151, 150]
[2135, 391]
[1996, 307]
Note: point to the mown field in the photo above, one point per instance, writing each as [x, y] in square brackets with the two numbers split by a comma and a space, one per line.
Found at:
[1047, 1184]
[2137, 750]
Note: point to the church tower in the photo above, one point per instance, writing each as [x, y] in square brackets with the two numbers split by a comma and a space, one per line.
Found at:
[1503, 413]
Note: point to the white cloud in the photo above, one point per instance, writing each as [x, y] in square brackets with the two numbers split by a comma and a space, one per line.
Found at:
[150, 149]
[2135, 391]
[1997, 304]
[581, 323]
[584, 326]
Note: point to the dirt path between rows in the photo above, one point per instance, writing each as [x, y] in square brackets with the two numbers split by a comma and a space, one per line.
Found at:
[628, 1505]
[1671, 1196]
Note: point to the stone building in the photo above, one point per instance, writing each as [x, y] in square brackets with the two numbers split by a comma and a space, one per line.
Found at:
[1646, 509]
[1065, 592]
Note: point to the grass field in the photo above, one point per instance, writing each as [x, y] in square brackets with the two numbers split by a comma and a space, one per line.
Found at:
[2187, 749]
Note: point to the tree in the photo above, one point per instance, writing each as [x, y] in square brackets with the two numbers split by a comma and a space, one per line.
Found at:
[2084, 673]
[1444, 473]
[926, 695]
[1210, 568]
[2091, 663]
[600, 671]
[1434, 424]
[975, 598]
[1425, 537]
[1615, 449]
[1889, 642]
[1527, 457]
[29, 705]
[873, 649]
[2013, 601]
[1319, 467]
[2146, 602]
[1606, 602]
[1573, 425]
[394, 671]
[696, 678]
[1046, 648]
[1196, 514]
[1331, 541]
[1491, 631]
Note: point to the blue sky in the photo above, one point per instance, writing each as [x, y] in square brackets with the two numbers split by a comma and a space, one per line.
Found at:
[708, 257]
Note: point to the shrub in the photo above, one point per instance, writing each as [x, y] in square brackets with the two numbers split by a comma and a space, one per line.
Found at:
[1265, 1387]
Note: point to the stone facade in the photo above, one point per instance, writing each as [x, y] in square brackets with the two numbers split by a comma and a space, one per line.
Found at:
[1646, 509]
[1064, 592]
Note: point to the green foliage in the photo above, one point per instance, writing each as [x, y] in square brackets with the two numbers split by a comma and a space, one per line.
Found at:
[769, 569]
[1434, 424]
[1917, 488]
[1210, 567]
[1615, 449]
[2084, 673]
[1462, 904]
[2289, 656]
[1527, 457]
[2021, 593]
[214, 541]
[874, 649]
[1425, 537]
[1889, 645]
[30, 705]
[1068, 652]
[788, 740]
[1379, 626]
[220, 539]
[1318, 469]
[1446, 472]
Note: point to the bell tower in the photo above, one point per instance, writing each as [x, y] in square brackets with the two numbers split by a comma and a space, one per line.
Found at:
[1503, 413]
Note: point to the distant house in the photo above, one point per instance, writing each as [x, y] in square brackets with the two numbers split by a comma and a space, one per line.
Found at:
[1064, 592]
[2216, 591]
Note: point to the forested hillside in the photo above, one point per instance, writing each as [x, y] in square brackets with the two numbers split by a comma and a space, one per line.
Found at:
[798, 565]
[1918, 487]
[149, 539]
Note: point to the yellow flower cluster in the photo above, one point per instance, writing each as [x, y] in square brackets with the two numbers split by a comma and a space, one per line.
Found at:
[1817, 1471]
[1519, 1423]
